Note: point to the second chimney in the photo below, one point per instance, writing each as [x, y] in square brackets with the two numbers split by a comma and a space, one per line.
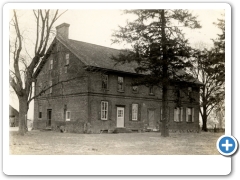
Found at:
[63, 30]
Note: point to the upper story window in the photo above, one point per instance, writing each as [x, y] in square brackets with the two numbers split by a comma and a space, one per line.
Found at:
[50, 85]
[135, 89]
[120, 83]
[67, 59]
[189, 91]
[51, 64]
[104, 81]
[151, 90]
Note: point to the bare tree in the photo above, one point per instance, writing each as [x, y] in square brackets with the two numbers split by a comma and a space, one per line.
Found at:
[22, 65]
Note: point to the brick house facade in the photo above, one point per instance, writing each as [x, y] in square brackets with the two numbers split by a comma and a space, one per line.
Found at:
[96, 94]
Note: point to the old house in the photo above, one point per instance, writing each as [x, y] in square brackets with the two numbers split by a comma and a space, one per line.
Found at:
[95, 94]
[13, 117]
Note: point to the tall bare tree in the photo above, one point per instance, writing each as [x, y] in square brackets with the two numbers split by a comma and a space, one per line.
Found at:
[22, 72]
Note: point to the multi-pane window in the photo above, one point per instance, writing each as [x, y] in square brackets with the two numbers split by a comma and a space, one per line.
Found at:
[120, 83]
[178, 114]
[51, 64]
[50, 85]
[134, 112]
[104, 81]
[67, 59]
[68, 115]
[189, 114]
[40, 111]
[104, 110]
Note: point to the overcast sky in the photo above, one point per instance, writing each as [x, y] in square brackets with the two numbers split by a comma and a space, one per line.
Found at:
[96, 26]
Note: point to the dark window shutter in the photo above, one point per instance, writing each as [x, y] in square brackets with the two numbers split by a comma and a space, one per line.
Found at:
[99, 110]
[130, 112]
[109, 110]
[139, 112]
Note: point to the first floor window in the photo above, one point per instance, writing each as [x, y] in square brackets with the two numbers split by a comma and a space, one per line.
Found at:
[178, 114]
[51, 64]
[134, 112]
[190, 114]
[40, 111]
[104, 110]
[68, 115]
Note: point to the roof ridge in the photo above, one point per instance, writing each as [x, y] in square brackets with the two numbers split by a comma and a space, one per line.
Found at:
[96, 45]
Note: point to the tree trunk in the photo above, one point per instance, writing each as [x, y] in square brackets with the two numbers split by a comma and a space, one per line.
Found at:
[204, 119]
[165, 121]
[23, 109]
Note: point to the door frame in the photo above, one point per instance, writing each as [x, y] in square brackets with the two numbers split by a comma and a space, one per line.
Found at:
[122, 107]
[49, 121]
[154, 121]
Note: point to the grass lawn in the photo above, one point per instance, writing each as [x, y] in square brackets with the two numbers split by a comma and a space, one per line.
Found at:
[151, 143]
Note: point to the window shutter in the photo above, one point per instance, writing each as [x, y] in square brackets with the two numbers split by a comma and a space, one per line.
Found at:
[139, 112]
[181, 114]
[109, 110]
[192, 114]
[175, 114]
[186, 114]
[99, 110]
[130, 112]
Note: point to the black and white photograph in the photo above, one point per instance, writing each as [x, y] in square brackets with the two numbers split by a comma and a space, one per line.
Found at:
[116, 81]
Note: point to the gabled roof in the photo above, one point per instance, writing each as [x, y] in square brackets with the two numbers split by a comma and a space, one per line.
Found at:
[100, 57]
[97, 56]
[13, 111]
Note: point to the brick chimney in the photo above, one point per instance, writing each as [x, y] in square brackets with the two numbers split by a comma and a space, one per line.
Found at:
[63, 30]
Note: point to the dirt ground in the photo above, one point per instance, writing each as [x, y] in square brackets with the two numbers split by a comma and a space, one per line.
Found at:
[150, 143]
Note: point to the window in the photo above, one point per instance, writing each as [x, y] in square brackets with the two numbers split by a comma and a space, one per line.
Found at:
[134, 112]
[40, 111]
[135, 89]
[67, 59]
[178, 114]
[104, 110]
[68, 115]
[51, 64]
[151, 90]
[50, 85]
[104, 81]
[189, 91]
[120, 83]
[190, 114]
[65, 69]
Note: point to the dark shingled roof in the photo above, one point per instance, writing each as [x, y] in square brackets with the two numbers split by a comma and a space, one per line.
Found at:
[97, 56]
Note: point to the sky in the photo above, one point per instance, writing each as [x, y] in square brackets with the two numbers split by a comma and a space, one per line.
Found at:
[97, 26]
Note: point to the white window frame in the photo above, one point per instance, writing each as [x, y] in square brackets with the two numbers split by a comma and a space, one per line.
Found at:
[104, 108]
[51, 64]
[68, 118]
[178, 114]
[50, 89]
[134, 112]
[192, 114]
[67, 58]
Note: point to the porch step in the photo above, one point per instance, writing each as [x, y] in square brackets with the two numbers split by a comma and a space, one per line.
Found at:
[121, 130]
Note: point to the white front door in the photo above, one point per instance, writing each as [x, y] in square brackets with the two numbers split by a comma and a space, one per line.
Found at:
[120, 117]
